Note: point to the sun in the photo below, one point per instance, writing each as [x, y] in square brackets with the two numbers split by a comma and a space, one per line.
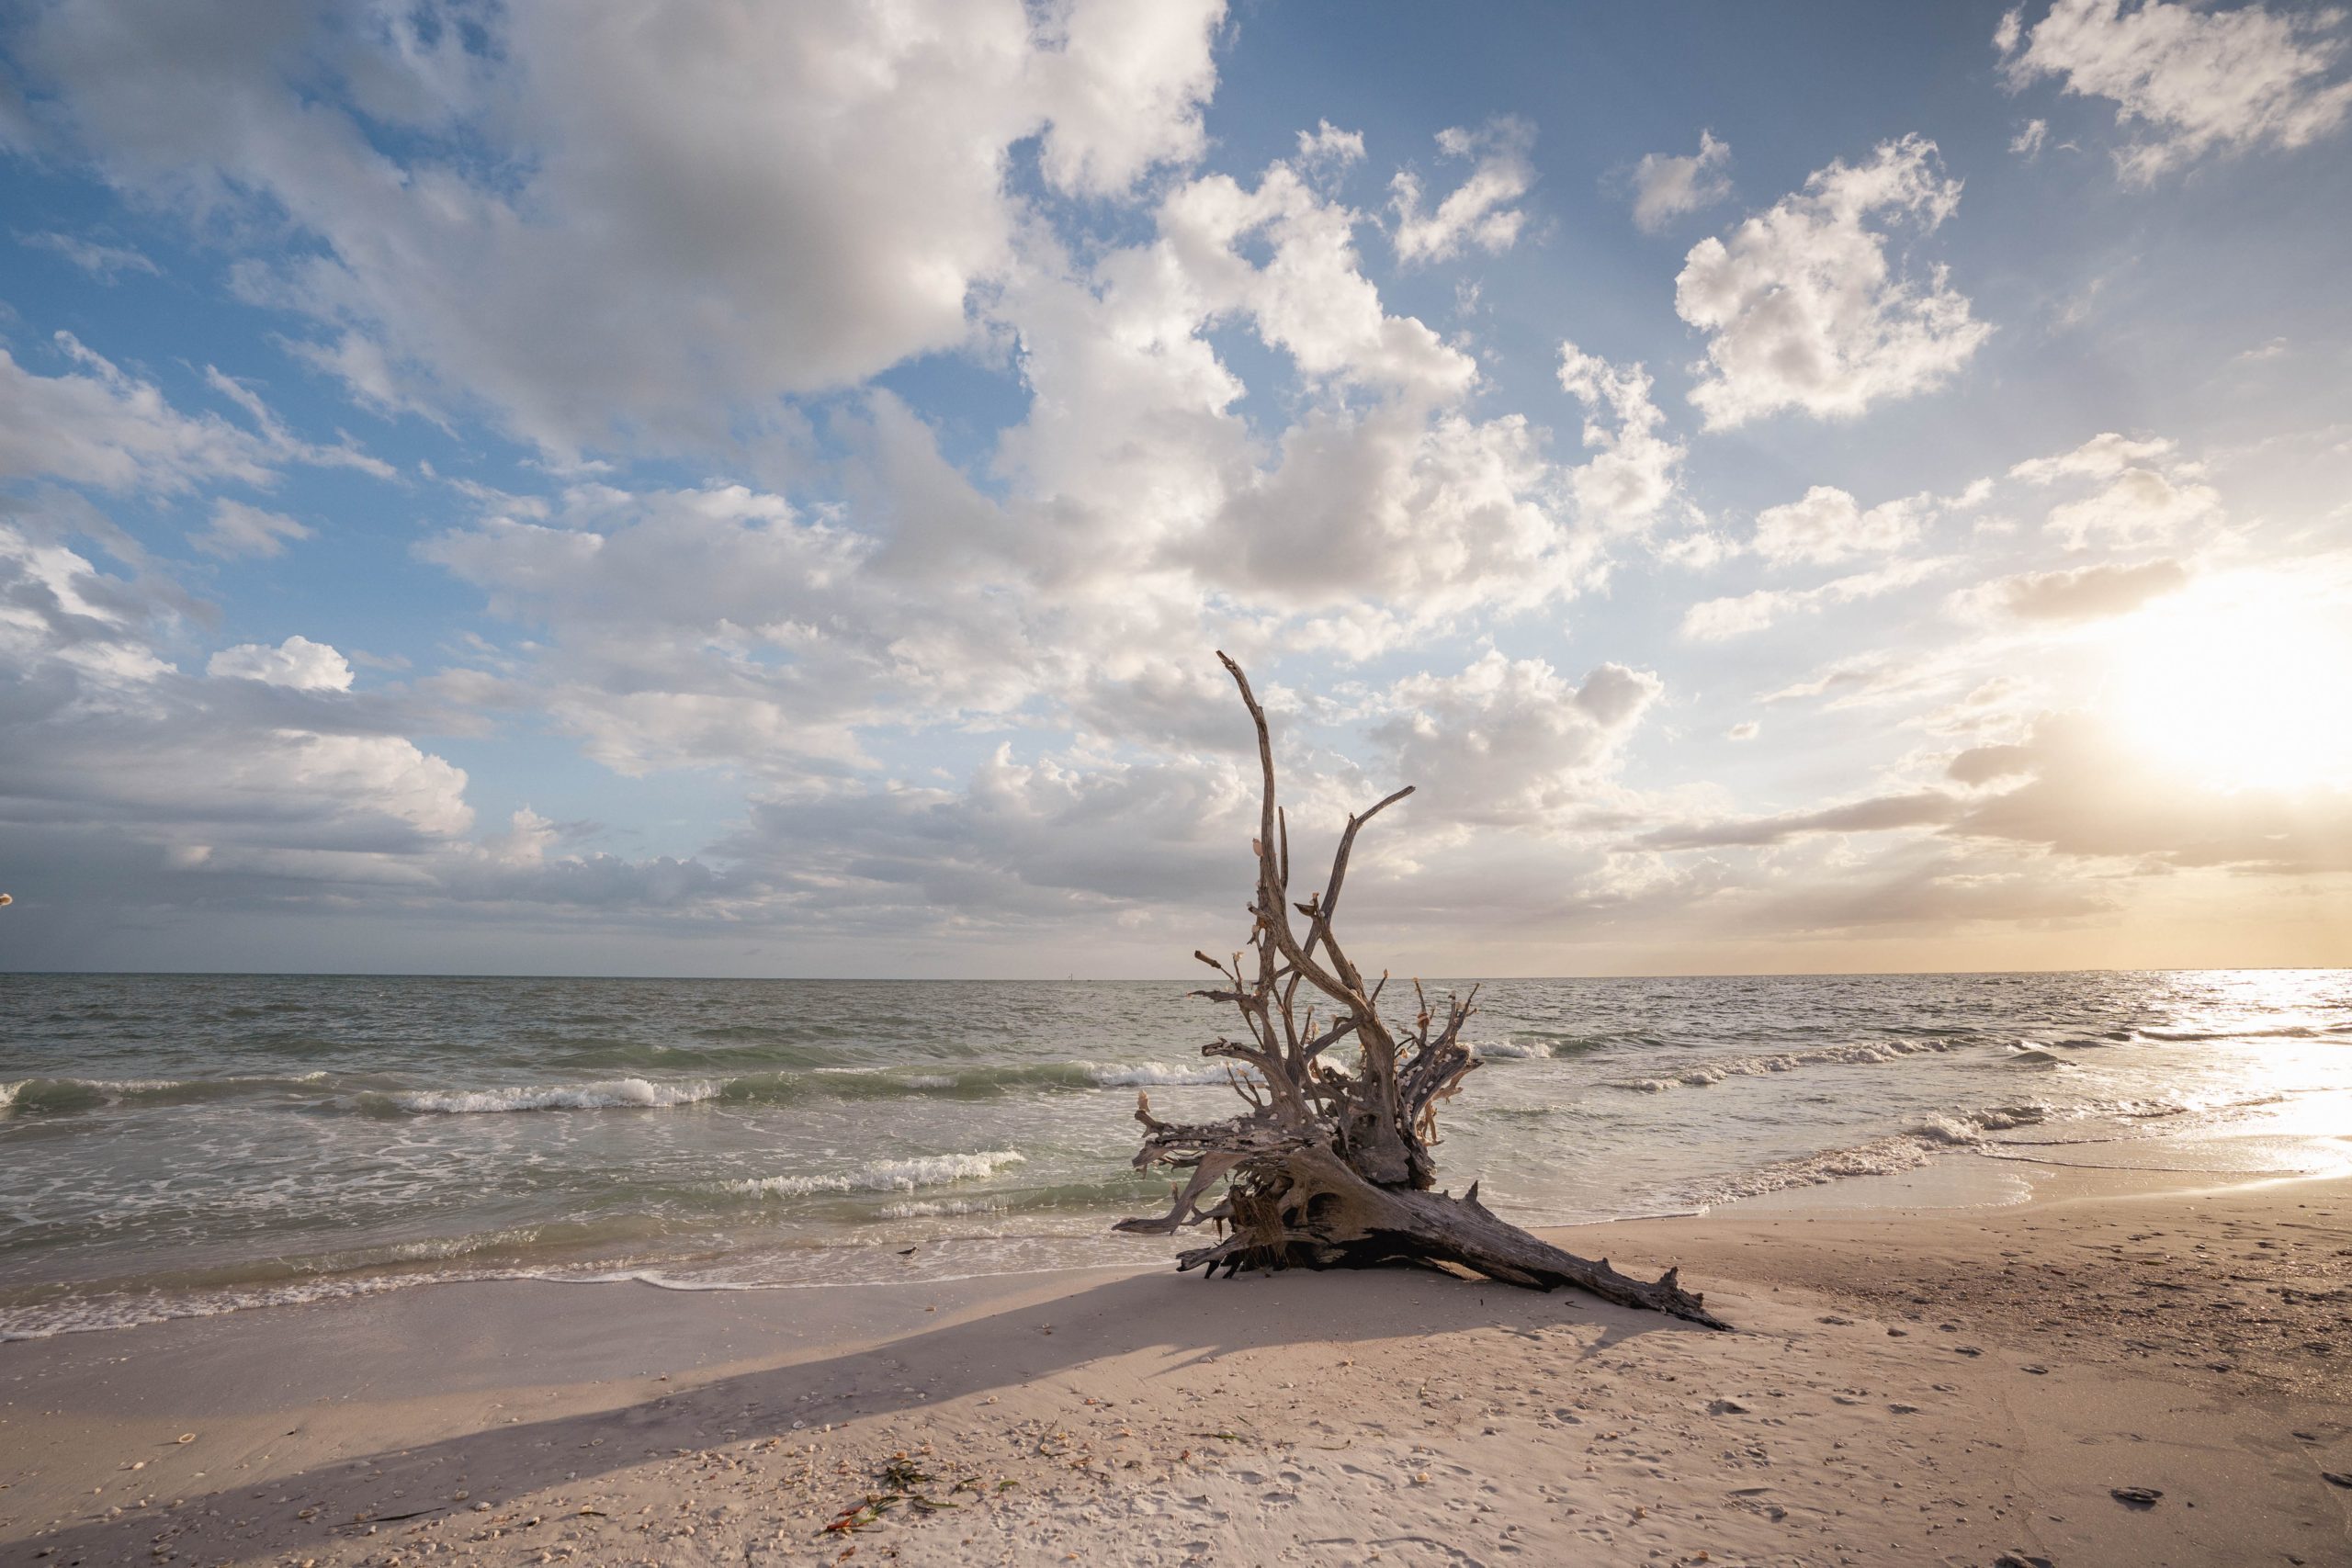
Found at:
[2242, 682]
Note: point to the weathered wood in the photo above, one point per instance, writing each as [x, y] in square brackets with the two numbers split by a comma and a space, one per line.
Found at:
[1331, 1168]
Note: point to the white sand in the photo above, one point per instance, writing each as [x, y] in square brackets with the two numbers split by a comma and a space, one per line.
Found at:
[1938, 1387]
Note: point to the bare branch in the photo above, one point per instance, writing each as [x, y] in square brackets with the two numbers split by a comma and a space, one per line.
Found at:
[1327, 1168]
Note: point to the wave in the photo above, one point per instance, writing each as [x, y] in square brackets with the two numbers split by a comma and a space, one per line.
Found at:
[782, 1088]
[881, 1175]
[63, 1096]
[1888, 1156]
[1703, 1074]
[618, 1093]
[1512, 1050]
[2283, 1032]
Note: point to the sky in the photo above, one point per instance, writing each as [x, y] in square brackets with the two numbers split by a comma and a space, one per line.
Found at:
[729, 489]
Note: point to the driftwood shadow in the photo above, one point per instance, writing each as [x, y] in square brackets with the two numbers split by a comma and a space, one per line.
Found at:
[1020, 1346]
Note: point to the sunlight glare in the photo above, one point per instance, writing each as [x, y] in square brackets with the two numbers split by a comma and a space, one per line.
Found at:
[2244, 682]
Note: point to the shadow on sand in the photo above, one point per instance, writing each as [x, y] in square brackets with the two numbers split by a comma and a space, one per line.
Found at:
[1003, 1349]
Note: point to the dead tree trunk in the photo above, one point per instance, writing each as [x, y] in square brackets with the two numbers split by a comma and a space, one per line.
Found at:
[1327, 1168]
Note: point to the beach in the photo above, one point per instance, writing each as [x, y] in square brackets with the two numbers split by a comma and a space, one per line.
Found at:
[2129, 1368]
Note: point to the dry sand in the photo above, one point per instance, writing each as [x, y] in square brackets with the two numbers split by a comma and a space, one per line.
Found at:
[1929, 1387]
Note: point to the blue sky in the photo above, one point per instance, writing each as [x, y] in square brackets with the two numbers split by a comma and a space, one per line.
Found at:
[754, 490]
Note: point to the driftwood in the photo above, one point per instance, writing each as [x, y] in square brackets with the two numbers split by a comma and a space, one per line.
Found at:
[1329, 1168]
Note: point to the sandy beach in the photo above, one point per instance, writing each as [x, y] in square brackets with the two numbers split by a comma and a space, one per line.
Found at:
[1977, 1386]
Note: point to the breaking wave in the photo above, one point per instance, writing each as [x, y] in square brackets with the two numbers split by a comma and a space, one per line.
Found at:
[1701, 1075]
[1512, 1050]
[618, 1093]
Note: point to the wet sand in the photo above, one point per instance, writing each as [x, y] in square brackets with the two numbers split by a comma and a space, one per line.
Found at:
[1934, 1386]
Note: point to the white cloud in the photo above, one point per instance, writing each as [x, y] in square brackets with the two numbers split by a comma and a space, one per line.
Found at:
[1828, 525]
[1122, 87]
[128, 785]
[99, 425]
[1510, 741]
[2194, 81]
[1327, 150]
[2030, 137]
[238, 529]
[104, 263]
[2090, 593]
[1479, 212]
[1633, 469]
[1666, 188]
[297, 664]
[661, 224]
[1804, 308]
[1718, 620]
[2145, 493]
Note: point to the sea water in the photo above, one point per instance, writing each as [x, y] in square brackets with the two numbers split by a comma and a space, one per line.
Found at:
[173, 1144]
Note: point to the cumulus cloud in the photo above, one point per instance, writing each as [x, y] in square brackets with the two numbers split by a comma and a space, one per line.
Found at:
[1510, 741]
[2189, 81]
[1121, 88]
[1633, 469]
[1805, 308]
[2136, 492]
[1667, 187]
[606, 226]
[126, 784]
[1327, 150]
[298, 663]
[1828, 524]
[1479, 212]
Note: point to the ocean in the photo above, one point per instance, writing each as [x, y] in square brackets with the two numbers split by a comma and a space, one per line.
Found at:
[177, 1145]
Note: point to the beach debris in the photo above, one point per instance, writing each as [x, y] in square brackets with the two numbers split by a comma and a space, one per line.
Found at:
[2022, 1559]
[1329, 1168]
[2337, 1478]
[904, 1482]
[2135, 1496]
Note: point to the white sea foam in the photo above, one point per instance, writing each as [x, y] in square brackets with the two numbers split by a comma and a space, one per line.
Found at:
[612, 1094]
[941, 1208]
[882, 1176]
[1152, 1074]
[1889, 1156]
[1701, 1075]
[1515, 1050]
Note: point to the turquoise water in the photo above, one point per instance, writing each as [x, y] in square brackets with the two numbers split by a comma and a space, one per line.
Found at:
[177, 1143]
